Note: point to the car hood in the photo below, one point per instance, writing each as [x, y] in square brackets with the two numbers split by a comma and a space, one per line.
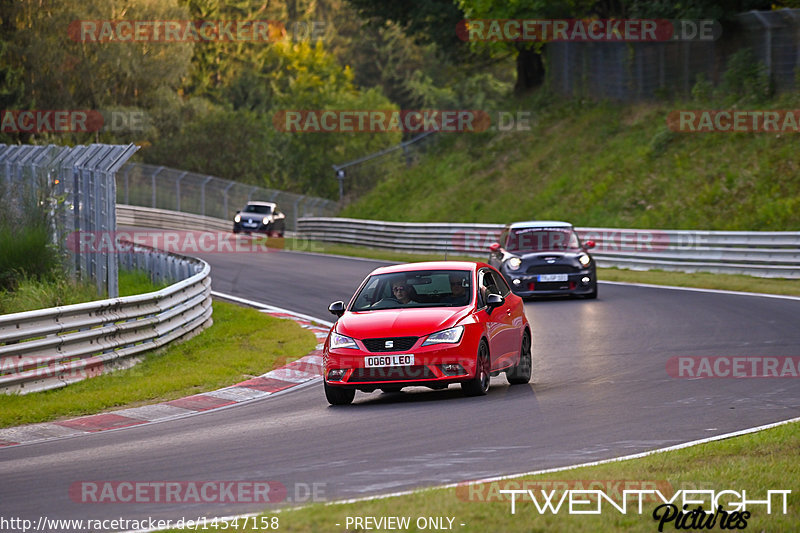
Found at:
[399, 322]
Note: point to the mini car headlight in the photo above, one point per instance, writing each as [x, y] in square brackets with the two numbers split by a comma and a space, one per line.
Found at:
[265, 220]
[584, 259]
[514, 263]
[447, 336]
[342, 341]
[237, 218]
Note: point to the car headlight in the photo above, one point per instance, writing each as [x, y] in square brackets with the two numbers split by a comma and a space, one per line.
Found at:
[342, 341]
[584, 259]
[237, 218]
[514, 263]
[265, 220]
[447, 336]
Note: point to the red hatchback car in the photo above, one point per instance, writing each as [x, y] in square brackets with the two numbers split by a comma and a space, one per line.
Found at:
[428, 324]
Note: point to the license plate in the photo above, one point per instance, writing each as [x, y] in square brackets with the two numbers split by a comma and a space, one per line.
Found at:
[544, 278]
[374, 361]
[250, 224]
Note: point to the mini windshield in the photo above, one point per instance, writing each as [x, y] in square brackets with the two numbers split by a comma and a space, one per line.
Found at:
[541, 239]
[423, 288]
[260, 209]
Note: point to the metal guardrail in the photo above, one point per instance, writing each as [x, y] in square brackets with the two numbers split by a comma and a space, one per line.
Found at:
[50, 348]
[169, 188]
[762, 254]
[147, 217]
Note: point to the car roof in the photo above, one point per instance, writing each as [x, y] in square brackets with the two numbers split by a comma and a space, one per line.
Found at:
[268, 204]
[430, 265]
[541, 224]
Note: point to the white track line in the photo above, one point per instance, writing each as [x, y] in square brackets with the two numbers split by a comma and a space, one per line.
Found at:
[513, 476]
[694, 289]
[267, 307]
[533, 472]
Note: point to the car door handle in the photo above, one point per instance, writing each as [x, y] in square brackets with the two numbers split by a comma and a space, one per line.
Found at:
[508, 312]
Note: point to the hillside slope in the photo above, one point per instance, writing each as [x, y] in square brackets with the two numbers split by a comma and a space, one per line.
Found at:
[601, 165]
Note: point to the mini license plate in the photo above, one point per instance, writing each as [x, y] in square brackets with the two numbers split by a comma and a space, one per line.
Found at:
[544, 278]
[374, 361]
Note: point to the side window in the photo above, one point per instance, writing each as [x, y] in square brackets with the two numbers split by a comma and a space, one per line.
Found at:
[502, 287]
[487, 286]
[490, 282]
[482, 290]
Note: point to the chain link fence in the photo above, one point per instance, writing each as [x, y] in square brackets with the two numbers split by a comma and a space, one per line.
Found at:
[359, 176]
[77, 187]
[647, 70]
[188, 192]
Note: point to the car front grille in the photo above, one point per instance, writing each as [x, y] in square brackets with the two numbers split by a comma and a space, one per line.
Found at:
[399, 344]
[391, 373]
[551, 269]
[555, 286]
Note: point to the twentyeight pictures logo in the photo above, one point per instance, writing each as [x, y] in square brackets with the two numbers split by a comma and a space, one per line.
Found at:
[381, 120]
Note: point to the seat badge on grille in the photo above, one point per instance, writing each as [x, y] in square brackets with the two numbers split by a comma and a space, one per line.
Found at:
[389, 344]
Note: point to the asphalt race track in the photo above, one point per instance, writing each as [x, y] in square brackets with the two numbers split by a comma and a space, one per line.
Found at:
[600, 390]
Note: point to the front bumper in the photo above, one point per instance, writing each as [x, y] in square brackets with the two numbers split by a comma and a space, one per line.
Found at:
[239, 227]
[429, 368]
[528, 285]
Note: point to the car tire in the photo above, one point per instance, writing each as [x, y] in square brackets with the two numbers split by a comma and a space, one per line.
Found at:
[592, 295]
[479, 385]
[521, 372]
[339, 396]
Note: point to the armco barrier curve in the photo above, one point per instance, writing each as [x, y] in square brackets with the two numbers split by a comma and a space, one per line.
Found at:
[764, 254]
[50, 348]
[774, 254]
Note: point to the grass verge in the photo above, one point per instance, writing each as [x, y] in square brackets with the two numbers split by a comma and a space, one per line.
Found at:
[31, 293]
[241, 344]
[599, 165]
[755, 463]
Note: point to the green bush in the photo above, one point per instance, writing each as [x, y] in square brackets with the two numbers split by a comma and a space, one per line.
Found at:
[746, 80]
[25, 249]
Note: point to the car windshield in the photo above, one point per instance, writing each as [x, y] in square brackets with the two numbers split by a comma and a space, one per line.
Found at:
[541, 239]
[422, 288]
[260, 209]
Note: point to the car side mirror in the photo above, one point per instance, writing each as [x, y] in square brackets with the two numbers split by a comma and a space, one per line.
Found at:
[494, 300]
[337, 308]
[590, 244]
[494, 247]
